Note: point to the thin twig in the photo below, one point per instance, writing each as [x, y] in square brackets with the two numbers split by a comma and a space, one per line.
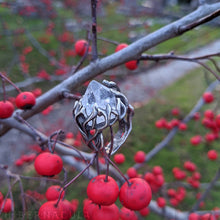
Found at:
[94, 30]
[203, 20]
[206, 192]
[108, 40]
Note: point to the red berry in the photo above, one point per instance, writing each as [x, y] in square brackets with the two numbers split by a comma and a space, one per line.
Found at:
[157, 170]
[132, 172]
[212, 155]
[7, 205]
[110, 212]
[127, 214]
[48, 164]
[161, 123]
[139, 157]
[174, 202]
[28, 158]
[69, 135]
[49, 211]
[6, 109]
[217, 120]
[88, 208]
[171, 192]
[209, 114]
[175, 122]
[149, 177]
[103, 192]
[208, 97]
[182, 126]
[207, 216]
[190, 166]
[25, 100]
[19, 162]
[80, 47]
[210, 137]
[67, 209]
[196, 140]
[120, 47]
[196, 116]
[119, 158]
[75, 204]
[161, 202]
[175, 111]
[53, 192]
[193, 216]
[145, 211]
[1, 197]
[131, 65]
[135, 196]
[159, 180]
[196, 176]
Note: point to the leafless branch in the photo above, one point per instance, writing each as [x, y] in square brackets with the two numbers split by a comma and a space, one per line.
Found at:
[207, 191]
[94, 30]
[133, 51]
[173, 132]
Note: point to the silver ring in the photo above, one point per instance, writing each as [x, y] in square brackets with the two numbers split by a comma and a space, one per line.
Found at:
[100, 107]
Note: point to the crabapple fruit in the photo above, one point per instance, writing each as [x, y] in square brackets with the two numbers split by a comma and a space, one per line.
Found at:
[139, 157]
[103, 192]
[6, 109]
[127, 214]
[25, 100]
[119, 158]
[53, 192]
[80, 47]
[48, 164]
[136, 195]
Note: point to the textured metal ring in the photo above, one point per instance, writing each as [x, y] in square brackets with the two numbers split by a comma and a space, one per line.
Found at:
[100, 107]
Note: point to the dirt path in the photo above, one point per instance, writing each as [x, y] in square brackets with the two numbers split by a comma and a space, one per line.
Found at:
[143, 86]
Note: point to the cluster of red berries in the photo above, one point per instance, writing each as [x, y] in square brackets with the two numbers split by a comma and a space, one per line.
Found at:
[25, 158]
[176, 196]
[155, 178]
[51, 210]
[162, 123]
[139, 157]
[103, 192]
[24, 100]
[206, 216]
[75, 141]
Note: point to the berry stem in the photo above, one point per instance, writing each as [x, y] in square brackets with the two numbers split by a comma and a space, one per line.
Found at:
[9, 81]
[75, 178]
[97, 165]
[57, 133]
[3, 88]
[109, 154]
[68, 95]
[94, 30]
[116, 167]
[20, 119]
[67, 145]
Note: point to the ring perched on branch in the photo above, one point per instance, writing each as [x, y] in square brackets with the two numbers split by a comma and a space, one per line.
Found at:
[101, 106]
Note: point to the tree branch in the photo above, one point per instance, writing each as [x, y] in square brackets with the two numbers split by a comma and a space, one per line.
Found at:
[206, 193]
[133, 51]
[94, 30]
[172, 133]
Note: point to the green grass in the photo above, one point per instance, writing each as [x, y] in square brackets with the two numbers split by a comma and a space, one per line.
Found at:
[144, 136]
